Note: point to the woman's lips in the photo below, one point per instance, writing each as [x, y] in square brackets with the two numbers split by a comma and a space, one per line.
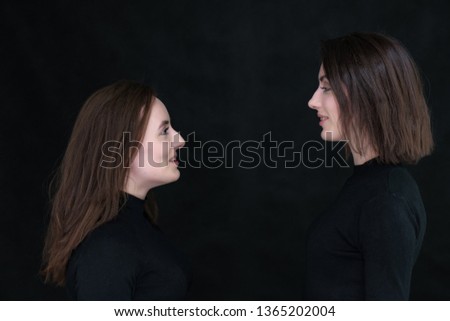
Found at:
[323, 119]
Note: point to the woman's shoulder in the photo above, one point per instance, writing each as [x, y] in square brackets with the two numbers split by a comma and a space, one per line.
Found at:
[400, 194]
[111, 238]
[106, 259]
[400, 183]
[389, 181]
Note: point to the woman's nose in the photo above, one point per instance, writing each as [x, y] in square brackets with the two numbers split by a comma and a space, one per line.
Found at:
[178, 141]
[313, 103]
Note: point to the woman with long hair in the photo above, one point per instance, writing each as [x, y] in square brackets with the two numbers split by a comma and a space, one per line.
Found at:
[370, 95]
[102, 241]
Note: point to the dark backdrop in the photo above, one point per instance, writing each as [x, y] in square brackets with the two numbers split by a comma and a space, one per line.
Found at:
[226, 70]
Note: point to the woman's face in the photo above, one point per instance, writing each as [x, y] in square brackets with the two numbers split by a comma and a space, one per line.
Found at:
[156, 162]
[325, 103]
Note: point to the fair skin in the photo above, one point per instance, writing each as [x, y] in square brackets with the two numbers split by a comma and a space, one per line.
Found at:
[156, 162]
[325, 103]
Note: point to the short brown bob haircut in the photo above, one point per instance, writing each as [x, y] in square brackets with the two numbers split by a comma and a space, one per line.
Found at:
[379, 91]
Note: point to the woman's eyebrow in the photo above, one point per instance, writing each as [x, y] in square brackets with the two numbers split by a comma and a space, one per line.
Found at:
[322, 78]
[164, 123]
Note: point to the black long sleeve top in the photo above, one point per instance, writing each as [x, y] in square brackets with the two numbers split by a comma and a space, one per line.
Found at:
[127, 258]
[365, 246]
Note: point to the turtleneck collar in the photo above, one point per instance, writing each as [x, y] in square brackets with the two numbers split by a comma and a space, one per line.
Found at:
[370, 166]
[134, 203]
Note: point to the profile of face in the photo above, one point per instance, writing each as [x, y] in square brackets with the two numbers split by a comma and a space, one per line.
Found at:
[156, 161]
[325, 103]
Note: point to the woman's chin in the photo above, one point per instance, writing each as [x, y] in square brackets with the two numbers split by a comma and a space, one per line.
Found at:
[176, 176]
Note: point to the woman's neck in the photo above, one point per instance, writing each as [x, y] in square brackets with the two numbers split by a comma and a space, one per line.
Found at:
[365, 156]
[132, 188]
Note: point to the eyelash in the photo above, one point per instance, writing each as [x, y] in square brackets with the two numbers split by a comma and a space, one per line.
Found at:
[325, 89]
[165, 131]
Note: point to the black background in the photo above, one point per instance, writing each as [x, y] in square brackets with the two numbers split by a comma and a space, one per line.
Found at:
[226, 70]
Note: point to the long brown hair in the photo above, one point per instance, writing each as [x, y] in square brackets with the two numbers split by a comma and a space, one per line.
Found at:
[85, 193]
[380, 96]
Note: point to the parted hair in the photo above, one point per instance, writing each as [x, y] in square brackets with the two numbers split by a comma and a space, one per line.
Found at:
[84, 194]
[380, 95]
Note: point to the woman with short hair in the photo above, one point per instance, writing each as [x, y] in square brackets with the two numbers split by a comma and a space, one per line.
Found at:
[370, 95]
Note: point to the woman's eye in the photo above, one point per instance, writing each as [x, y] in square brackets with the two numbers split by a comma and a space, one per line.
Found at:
[325, 89]
[166, 131]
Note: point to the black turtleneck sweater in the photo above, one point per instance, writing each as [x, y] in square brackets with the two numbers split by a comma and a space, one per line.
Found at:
[365, 246]
[127, 258]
